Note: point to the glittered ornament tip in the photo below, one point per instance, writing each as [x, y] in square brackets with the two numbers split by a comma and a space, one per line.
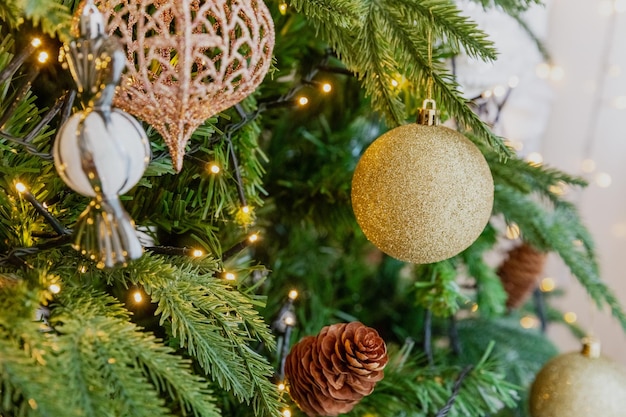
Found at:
[106, 234]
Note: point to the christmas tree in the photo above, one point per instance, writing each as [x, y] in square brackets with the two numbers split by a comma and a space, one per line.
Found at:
[245, 216]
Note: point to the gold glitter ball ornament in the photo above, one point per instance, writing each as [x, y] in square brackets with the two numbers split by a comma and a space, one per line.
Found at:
[422, 193]
[188, 60]
[579, 384]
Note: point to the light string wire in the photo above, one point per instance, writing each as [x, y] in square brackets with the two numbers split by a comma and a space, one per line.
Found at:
[63, 105]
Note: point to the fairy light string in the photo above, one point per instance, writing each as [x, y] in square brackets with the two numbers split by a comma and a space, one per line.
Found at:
[62, 110]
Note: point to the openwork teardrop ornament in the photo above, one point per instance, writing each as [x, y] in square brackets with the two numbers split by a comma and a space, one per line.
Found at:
[189, 60]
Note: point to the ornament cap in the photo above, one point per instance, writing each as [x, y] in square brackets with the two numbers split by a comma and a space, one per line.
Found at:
[428, 116]
[591, 347]
[91, 21]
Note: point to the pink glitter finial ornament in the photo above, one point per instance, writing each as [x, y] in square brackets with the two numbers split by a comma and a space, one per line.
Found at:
[188, 60]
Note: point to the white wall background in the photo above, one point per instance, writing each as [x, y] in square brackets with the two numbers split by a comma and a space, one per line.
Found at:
[587, 121]
[569, 113]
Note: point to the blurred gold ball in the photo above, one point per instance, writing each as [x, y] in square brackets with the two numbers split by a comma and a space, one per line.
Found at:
[574, 385]
[422, 193]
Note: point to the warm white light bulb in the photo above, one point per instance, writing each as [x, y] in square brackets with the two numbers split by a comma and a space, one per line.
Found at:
[303, 101]
[281, 386]
[588, 165]
[619, 102]
[43, 57]
[547, 284]
[36, 42]
[20, 187]
[394, 83]
[559, 189]
[512, 231]
[54, 288]
[327, 88]
[230, 276]
[557, 73]
[197, 253]
[570, 317]
[535, 158]
[603, 180]
[245, 209]
[543, 70]
[528, 322]
[253, 238]
[137, 297]
[293, 294]
[214, 168]
[499, 91]
[286, 412]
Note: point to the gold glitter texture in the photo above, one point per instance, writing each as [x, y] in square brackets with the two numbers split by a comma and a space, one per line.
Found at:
[188, 60]
[574, 385]
[422, 193]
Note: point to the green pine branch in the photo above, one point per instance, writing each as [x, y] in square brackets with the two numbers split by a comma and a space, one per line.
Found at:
[437, 290]
[521, 351]
[510, 7]
[445, 21]
[410, 388]
[25, 350]
[135, 352]
[101, 376]
[195, 205]
[331, 14]
[25, 384]
[375, 65]
[490, 295]
[214, 322]
[531, 196]
[390, 38]
[10, 13]
[52, 16]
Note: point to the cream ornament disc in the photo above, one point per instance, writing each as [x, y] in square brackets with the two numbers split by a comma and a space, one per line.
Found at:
[422, 193]
[121, 151]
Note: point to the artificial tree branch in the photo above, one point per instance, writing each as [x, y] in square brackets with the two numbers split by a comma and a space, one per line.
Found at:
[47, 118]
[540, 309]
[453, 332]
[428, 335]
[63, 105]
[16, 254]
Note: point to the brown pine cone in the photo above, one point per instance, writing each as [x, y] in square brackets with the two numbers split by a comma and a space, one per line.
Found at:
[329, 373]
[520, 273]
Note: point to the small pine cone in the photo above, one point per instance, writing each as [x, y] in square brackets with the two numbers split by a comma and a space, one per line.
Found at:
[329, 373]
[7, 282]
[520, 272]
